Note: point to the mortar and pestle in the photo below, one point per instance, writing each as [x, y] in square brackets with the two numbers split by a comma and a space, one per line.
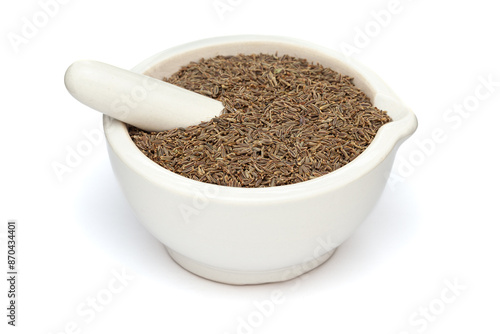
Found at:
[229, 234]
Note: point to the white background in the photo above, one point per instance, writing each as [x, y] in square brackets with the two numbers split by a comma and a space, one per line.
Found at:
[438, 224]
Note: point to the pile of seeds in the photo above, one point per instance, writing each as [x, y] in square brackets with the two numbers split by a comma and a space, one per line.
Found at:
[285, 121]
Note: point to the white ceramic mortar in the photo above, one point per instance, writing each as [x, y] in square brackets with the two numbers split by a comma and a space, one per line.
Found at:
[257, 235]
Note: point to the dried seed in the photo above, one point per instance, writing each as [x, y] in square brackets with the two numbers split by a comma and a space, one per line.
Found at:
[285, 121]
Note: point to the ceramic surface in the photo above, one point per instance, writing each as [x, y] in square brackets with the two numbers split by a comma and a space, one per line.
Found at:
[258, 235]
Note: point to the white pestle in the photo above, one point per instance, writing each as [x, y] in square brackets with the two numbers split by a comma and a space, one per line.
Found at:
[142, 101]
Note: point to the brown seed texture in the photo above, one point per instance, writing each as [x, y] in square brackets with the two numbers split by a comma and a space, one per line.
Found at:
[285, 121]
